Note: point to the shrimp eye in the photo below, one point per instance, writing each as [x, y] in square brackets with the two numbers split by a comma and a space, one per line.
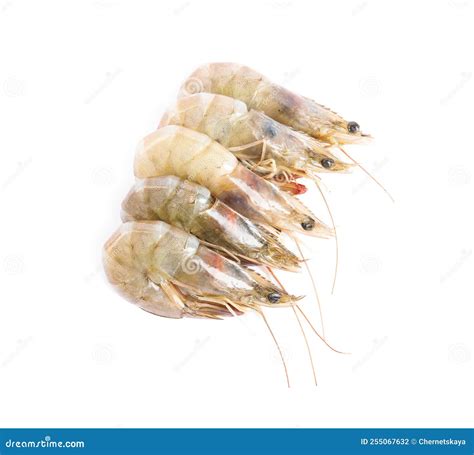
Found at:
[353, 127]
[273, 297]
[327, 163]
[308, 224]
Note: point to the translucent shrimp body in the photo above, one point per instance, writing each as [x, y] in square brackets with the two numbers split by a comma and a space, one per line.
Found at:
[191, 207]
[260, 94]
[168, 272]
[268, 147]
[175, 150]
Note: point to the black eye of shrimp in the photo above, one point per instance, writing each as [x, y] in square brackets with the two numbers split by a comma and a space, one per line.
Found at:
[308, 225]
[273, 297]
[327, 163]
[353, 127]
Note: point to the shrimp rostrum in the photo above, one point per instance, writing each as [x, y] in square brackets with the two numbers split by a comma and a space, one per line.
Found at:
[260, 94]
[192, 208]
[179, 151]
[167, 272]
[267, 147]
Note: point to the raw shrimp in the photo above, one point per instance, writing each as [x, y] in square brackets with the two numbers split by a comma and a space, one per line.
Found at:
[169, 273]
[264, 145]
[174, 150]
[249, 86]
[191, 207]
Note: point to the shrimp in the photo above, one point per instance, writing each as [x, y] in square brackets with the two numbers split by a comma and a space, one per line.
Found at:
[168, 272]
[191, 207]
[260, 94]
[174, 150]
[264, 145]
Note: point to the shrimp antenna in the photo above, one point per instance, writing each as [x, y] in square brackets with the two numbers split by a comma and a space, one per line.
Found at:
[316, 332]
[335, 236]
[277, 345]
[312, 282]
[301, 326]
[367, 172]
[307, 344]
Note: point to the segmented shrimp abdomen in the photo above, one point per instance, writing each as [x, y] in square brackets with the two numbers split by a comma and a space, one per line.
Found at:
[127, 273]
[148, 198]
[167, 198]
[207, 113]
[174, 150]
[162, 252]
[247, 85]
[231, 79]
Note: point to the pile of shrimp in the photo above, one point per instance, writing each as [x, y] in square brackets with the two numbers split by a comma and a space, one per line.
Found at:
[215, 197]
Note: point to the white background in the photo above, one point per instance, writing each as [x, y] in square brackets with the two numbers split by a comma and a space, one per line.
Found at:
[82, 82]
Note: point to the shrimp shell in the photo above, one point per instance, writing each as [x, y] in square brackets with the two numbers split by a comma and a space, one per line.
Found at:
[227, 121]
[192, 208]
[166, 271]
[259, 93]
[174, 150]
